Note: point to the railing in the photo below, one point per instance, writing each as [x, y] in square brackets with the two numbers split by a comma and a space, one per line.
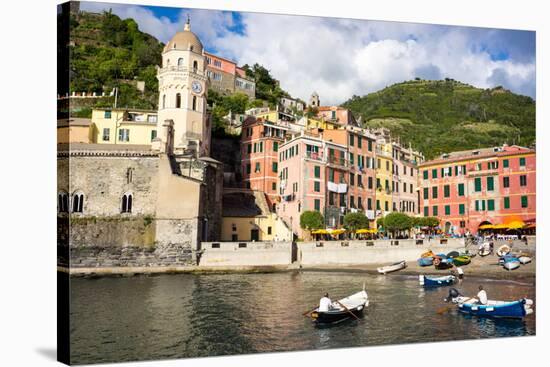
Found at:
[181, 69]
[314, 155]
[337, 161]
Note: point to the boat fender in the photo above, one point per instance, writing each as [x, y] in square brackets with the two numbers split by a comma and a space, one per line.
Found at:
[527, 301]
[421, 279]
[489, 309]
[529, 311]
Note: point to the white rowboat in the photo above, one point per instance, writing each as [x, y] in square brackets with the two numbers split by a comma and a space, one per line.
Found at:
[393, 267]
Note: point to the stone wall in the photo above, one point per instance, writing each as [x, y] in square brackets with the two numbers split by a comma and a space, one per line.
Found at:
[369, 252]
[235, 254]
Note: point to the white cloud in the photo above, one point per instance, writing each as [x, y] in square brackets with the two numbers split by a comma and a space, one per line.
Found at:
[341, 57]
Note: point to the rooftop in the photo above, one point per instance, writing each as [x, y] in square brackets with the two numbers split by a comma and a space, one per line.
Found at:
[479, 153]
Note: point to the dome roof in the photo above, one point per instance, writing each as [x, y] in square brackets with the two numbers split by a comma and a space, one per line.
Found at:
[182, 41]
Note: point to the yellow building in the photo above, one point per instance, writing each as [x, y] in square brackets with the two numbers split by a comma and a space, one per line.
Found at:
[123, 126]
[384, 178]
[246, 217]
[74, 130]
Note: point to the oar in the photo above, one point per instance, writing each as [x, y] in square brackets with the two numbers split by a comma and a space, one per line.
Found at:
[345, 308]
[306, 314]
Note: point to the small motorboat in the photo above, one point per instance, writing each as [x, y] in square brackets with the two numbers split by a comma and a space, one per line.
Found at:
[461, 260]
[453, 254]
[503, 250]
[393, 267]
[503, 309]
[429, 282]
[511, 264]
[425, 261]
[442, 262]
[342, 309]
[525, 259]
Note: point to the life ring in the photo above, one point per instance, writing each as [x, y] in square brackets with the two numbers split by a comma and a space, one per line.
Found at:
[437, 261]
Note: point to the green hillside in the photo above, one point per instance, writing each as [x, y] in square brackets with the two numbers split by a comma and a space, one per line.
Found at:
[446, 115]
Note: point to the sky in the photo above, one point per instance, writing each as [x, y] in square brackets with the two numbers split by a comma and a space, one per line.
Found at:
[339, 58]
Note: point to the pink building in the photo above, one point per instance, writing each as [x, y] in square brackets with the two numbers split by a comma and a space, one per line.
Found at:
[336, 114]
[483, 186]
[260, 142]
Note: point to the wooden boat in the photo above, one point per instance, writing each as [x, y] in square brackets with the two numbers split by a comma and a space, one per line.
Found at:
[483, 251]
[393, 267]
[442, 262]
[355, 304]
[468, 253]
[525, 259]
[500, 309]
[503, 250]
[453, 254]
[425, 261]
[429, 282]
[461, 260]
[428, 253]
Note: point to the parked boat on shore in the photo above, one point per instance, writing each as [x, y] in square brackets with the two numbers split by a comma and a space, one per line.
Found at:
[497, 309]
[429, 282]
[425, 261]
[441, 262]
[511, 264]
[343, 309]
[525, 259]
[503, 250]
[461, 260]
[393, 267]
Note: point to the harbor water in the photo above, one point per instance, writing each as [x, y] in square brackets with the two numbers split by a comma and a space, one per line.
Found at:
[187, 315]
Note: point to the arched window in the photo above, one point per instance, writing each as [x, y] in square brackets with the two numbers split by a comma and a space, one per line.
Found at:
[194, 103]
[126, 203]
[164, 101]
[78, 202]
[167, 62]
[62, 202]
[180, 61]
[178, 100]
[195, 65]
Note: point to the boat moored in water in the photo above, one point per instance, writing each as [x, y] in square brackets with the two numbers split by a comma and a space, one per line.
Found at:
[498, 309]
[428, 281]
[343, 309]
[393, 267]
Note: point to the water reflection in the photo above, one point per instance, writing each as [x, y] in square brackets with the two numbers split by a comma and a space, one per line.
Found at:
[176, 316]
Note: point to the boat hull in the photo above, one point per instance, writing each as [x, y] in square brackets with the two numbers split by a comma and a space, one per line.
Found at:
[524, 260]
[431, 282]
[393, 267]
[327, 318]
[425, 261]
[511, 265]
[461, 260]
[513, 310]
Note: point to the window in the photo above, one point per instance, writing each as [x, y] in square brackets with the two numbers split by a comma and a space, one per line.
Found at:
[461, 209]
[370, 145]
[446, 191]
[351, 179]
[350, 137]
[316, 186]
[490, 183]
[78, 202]
[274, 167]
[359, 142]
[257, 167]
[248, 168]
[506, 163]
[447, 210]
[524, 202]
[352, 201]
[523, 180]
[460, 189]
[462, 224]
[351, 157]
[506, 203]
[275, 146]
[195, 66]
[194, 106]
[317, 171]
[317, 204]
[249, 148]
[434, 210]
[477, 184]
[234, 238]
[331, 175]
[425, 173]
[434, 173]
[426, 193]
[426, 211]
[107, 114]
[106, 134]
[153, 134]
[370, 180]
[506, 181]
[522, 162]
[126, 203]
[369, 203]
[274, 186]
[164, 101]
[63, 202]
[434, 192]
[404, 187]
[268, 230]
[178, 100]
[386, 206]
[180, 61]
[218, 63]
[124, 135]
[491, 204]
[387, 165]
[129, 175]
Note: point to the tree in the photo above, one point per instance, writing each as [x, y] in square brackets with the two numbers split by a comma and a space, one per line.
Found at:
[311, 220]
[380, 222]
[355, 221]
[397, 222]
[431, 222]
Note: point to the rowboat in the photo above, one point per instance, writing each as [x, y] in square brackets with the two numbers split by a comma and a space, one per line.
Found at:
[453, 254]
[425, 261]
[428, 282]
[461, 260]
[483, 251]
[502, 309]
[511, 264]
[441, 262]
[393, 267]
[503, 250]
[354, 304]
[524, 259]
[428, 253]
[468, 253]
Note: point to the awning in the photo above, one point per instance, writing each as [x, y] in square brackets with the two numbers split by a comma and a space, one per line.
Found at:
[319, 231]
[336, 232]
[515, 225]
[365, 230]
[530, 226]
[500, 226]
[487, 226]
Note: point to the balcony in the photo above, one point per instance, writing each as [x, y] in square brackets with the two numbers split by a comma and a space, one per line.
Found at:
[316, 156]
[179, 69]
[337, 161]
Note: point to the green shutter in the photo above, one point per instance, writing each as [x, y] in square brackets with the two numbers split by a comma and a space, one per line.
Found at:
[483, 205]
[426, 211]
[456, 170]
[317, 172]
[446, 191]
[461, 209]
[522, 162]
[490, 183]
[505, 163]
[447, 210]
[434, 173]
[460, 189]
[478, 184]
[275, 146]
[524, 202]
[425, 174]
[434, 192]
[317, 186]
[477, 205]
[506, 203]
[426, 193]
[317, 204]
[490, 204]
[434, 209]
[274, 167]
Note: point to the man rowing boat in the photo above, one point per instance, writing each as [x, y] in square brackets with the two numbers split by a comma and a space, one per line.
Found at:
[325, 304]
